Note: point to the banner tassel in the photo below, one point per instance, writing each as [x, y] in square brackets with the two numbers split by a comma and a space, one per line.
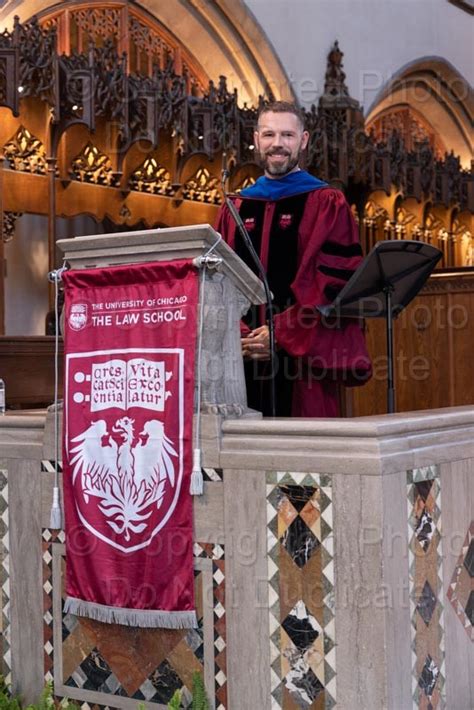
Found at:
[144, 618]
[197, 482]
[55, 520]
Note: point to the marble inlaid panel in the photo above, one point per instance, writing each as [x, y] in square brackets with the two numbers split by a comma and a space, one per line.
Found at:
[216, 554]
[91, 661]
[301, 590]
[426, 588]
[212, 474]
[50, 538]
[5, 578]
[461, 586]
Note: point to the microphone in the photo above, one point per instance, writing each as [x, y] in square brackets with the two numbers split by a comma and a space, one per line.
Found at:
[263, 276]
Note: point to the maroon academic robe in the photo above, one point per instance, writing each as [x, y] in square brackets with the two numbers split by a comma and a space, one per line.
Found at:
[309, 246]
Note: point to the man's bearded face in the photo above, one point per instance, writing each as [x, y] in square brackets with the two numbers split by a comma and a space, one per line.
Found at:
[280, 140]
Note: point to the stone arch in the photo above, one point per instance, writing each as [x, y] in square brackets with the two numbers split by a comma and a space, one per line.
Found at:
[437, 98]
[224, 37]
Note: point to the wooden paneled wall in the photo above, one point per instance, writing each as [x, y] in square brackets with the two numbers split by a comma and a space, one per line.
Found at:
[27, 367]
[433, 346]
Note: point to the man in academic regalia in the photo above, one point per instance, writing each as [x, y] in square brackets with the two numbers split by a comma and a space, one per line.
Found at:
[307, 240]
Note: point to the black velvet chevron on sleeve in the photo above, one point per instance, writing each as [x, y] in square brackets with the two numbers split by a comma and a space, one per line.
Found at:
[345, 250]
[344, 274]
[332, 290]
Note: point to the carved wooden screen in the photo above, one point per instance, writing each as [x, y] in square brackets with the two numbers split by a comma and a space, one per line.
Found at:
[410, 125]
[129, 29]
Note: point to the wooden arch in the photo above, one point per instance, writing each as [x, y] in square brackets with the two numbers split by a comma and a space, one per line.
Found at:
[221, 34]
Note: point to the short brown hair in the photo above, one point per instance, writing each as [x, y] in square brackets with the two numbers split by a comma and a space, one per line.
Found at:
[282, 107]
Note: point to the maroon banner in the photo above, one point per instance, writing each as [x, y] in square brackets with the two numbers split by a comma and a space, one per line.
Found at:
[130, 334]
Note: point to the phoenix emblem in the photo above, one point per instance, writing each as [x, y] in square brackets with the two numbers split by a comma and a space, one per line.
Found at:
[128, 473]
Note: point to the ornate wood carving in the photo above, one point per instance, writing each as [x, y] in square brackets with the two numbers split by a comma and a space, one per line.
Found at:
[9, 64]
[202, 187]
[165, 101]
[374, 218]
[152, 177]
[110, 84]
[246, 182]
[150, 48]
[93, 166]
[38, 74]
[96, 22]
[129, 28]
[125, 213]
[335, 80]
[409, 125]
[77, 94]
[373, 211]
[26, 153]
[463, 244]
[403, 219]
[9, 222]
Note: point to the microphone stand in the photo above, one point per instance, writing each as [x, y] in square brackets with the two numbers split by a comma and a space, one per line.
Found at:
[263, 276]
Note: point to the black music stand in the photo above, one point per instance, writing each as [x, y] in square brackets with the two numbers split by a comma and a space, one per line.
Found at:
[383, 285]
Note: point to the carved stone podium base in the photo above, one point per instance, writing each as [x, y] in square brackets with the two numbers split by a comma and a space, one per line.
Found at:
[332, 568]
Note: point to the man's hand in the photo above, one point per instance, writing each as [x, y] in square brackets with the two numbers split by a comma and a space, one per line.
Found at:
[256, 345]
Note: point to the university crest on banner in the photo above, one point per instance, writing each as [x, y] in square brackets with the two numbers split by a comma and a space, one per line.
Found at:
[129, 384]
[126, 470]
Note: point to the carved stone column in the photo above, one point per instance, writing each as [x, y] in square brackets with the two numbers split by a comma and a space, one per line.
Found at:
[223, 382]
